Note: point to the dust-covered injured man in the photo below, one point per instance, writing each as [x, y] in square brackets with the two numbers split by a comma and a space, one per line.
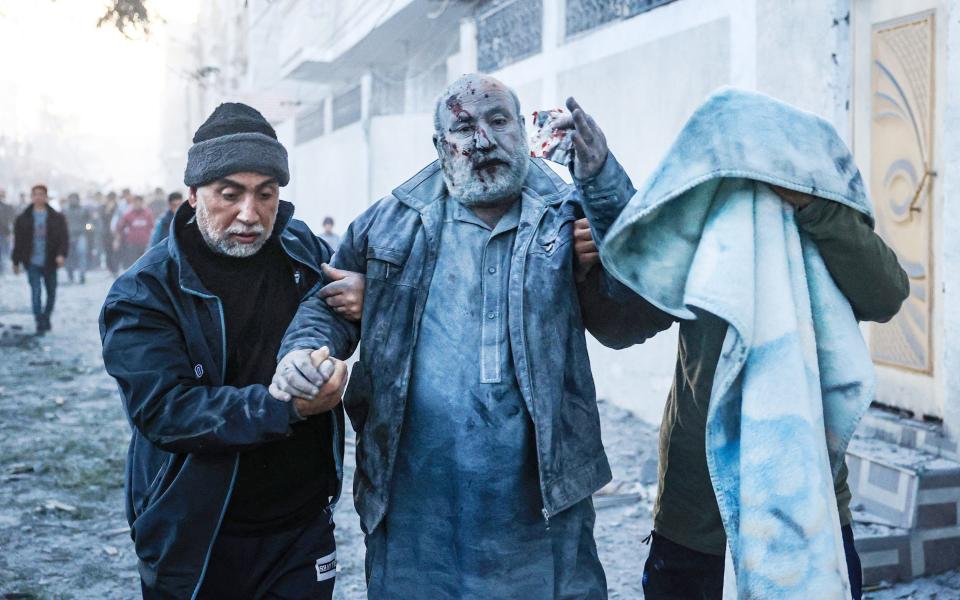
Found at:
[478, 431]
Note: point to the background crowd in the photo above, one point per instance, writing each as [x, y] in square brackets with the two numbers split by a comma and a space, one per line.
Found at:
[45, 231]
[106, 229]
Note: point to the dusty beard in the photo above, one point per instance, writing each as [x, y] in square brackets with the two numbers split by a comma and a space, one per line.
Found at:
[471, 184]
[221, 242]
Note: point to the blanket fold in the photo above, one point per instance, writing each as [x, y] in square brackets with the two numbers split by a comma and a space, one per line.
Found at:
[794, 376]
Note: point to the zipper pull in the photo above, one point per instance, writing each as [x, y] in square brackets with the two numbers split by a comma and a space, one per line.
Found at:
[546, 518]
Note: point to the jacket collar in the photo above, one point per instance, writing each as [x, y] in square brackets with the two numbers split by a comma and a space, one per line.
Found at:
[28, 211]
[187, 277]
[428, 186]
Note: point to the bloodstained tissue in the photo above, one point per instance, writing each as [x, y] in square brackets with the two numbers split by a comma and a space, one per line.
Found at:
[549, 142]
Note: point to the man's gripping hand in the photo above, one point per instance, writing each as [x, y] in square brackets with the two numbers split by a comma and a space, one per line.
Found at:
[798, 200]
[312, 380]
[585, 249]
[344, 293]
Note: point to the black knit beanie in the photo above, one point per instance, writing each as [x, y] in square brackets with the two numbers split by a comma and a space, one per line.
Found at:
[235, 139]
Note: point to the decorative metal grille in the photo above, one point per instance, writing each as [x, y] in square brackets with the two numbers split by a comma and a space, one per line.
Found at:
[309, 125]
[584, 15]
[508, 32]
[347, 107]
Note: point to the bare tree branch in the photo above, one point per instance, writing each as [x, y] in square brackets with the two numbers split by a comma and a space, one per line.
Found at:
[128, 16]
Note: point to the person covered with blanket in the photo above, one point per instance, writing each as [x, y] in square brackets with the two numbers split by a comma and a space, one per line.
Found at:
[688, 546]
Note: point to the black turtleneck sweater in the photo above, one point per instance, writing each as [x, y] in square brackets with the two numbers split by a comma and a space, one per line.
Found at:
[282, 484]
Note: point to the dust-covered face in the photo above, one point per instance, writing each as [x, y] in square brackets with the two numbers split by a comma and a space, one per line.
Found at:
[481, 143]
[236, 214]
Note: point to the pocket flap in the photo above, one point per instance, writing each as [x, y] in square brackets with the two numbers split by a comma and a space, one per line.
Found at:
[391, 255]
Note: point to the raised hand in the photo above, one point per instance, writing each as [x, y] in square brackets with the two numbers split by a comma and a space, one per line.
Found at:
[589, 142]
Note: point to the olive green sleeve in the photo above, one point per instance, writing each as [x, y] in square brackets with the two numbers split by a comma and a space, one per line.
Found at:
[864, 268]
[842, 490]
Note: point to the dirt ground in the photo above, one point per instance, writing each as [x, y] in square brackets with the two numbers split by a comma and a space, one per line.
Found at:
[63, 440]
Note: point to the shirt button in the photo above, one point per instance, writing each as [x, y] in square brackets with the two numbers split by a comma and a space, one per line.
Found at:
[491, 315]
[492, 270]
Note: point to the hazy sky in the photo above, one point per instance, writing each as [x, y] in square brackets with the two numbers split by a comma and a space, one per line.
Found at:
[98, 95]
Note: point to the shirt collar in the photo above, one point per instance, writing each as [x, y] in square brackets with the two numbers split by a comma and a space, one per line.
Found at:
[509, 220]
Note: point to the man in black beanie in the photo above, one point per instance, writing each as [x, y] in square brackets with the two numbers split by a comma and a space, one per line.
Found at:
[230, 488]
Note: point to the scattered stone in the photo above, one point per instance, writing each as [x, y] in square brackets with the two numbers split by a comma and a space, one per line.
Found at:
[649, 472]
[610, 500]
[59, 400]
[20, 468]
[617, 493]
[61, 506]
[117, 531]
[110, 551]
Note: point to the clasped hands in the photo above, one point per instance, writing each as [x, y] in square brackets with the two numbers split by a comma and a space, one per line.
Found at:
[311, 379]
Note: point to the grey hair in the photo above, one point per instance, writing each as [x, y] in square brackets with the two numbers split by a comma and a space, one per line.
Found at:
[441, 100]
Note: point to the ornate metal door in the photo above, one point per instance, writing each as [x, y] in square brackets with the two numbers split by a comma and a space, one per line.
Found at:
[901, 159]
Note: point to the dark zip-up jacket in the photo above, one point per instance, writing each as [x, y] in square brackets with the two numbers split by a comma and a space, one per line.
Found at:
[57, 244]
[164, 341]
[395, 242]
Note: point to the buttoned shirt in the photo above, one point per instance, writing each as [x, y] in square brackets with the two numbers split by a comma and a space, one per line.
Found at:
[464, 518]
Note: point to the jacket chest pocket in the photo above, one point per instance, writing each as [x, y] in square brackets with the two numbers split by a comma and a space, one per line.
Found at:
[385, 265]
[553, 237]
[389, 295]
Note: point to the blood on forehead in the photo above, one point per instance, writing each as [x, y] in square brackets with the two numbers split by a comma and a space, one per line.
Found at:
[469, 99]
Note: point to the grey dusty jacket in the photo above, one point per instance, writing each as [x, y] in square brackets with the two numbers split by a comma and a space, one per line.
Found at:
[395, 243]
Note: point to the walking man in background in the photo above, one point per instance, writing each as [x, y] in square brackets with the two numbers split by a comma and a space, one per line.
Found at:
[134, 230]
[77, 219]
[331, 238]
[108, 243]
[40, 245]
[174, 200]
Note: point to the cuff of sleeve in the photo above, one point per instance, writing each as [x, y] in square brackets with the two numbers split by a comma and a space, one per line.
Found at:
[294, 414]
[602, 182]
[812, 213]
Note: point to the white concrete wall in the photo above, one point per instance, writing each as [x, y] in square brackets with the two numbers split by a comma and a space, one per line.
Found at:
[328, 177]
[340, 174]
[948, 218]
[400, 145]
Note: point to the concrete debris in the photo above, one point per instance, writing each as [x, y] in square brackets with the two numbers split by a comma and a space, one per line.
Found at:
[54, 505]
